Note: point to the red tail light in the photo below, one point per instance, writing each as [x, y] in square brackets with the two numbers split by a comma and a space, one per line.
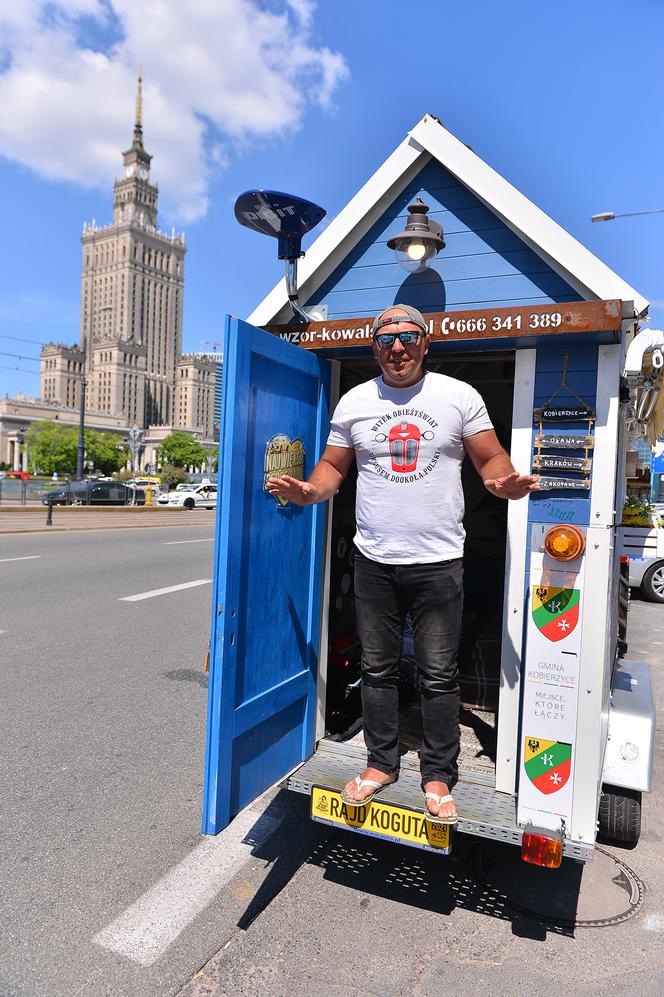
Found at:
[543, 848]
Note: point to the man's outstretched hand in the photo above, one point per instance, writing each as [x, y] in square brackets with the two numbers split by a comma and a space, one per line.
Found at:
[293, 490]
[512, 486]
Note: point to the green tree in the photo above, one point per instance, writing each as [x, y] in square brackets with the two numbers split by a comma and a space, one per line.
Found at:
[53, 447]
[171, 476]
[182, 450]
[107, 450]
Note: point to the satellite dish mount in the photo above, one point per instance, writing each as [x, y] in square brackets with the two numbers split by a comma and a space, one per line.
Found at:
[286, 218]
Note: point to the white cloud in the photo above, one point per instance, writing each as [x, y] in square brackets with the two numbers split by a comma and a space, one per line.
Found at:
[217, 74]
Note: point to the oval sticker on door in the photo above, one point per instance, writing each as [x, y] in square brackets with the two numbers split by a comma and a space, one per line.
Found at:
[283, 456]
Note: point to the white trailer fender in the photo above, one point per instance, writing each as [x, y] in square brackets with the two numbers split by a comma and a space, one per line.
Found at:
[631, 741]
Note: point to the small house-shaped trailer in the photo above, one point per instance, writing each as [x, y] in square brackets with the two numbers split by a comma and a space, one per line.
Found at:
[524, 313]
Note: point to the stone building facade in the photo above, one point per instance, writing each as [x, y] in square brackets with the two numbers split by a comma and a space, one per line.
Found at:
[195, 393]
[132, 286]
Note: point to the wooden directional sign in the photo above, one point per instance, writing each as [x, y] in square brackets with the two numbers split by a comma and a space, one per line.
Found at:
[564, 413]
[575, 317]
[569, 484]
[551, 441]
[560, 462]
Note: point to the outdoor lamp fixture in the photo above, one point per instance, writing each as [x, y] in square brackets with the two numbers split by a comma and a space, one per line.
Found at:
[608, 216]
[286, 218]
[421, 239]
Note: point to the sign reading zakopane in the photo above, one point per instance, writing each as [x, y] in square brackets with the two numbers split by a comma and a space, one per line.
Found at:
[496, 323]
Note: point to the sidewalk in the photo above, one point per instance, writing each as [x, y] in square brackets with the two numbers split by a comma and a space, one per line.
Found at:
[27, 519]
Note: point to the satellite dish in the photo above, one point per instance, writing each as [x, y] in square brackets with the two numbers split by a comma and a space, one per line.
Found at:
[283, 216]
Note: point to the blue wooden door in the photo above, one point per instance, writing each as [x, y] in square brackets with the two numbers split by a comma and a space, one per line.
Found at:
[267, 576]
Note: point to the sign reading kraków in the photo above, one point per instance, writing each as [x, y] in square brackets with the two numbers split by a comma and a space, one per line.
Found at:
[560, 462]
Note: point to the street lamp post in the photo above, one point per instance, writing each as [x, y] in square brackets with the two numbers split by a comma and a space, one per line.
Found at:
[80, 448]
[608, 216]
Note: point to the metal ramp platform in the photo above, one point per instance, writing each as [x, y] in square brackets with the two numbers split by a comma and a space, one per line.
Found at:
[482, 811]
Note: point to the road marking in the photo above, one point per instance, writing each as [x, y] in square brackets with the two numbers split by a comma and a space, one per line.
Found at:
[170, 543]
[147, 928]
[30, 557]
[165, 591]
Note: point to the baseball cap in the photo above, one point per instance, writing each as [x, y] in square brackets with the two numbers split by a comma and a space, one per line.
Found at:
[401, 312]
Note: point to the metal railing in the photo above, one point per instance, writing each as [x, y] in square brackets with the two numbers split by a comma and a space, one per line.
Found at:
[14, 491]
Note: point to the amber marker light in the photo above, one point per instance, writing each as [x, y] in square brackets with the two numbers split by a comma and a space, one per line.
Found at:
[564, 542]
[541, 848]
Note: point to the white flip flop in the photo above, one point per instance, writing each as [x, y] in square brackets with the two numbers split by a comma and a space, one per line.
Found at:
[438, 800]
[361, 783]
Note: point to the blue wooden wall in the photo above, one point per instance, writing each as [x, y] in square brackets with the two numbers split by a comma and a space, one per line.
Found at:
[564, 506]
[484, 264]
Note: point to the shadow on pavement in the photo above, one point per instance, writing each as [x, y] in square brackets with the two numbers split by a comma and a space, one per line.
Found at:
[412, 877]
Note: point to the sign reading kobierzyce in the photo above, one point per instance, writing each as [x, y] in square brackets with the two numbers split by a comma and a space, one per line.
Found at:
[496, 323]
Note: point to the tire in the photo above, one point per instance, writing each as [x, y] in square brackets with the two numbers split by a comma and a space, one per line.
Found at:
[652, 585]
[189, 503]
[620, 815]
[623, 609]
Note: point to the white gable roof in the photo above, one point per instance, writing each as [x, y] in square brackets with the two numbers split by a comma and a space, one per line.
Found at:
[428, 140]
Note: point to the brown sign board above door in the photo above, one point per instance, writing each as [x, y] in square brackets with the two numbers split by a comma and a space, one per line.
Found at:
[480, 324]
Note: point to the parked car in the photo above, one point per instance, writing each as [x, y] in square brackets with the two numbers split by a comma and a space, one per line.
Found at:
[95, 493]
[196, 497]
[186, 486]
[21, 475]
[143, 483]
[644, 546]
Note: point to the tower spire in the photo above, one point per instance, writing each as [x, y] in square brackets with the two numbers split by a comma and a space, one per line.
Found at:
[138, 128]
[139, 97]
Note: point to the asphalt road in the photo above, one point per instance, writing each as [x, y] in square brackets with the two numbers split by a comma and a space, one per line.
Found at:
[102, 718]
[108, 887]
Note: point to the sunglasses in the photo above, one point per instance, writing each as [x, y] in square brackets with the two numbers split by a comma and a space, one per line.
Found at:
[386, 339]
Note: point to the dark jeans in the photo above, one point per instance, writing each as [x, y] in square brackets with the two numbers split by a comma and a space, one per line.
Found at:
[433, 595]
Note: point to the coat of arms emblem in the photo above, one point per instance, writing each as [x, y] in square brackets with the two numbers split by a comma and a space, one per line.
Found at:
[548, 764]
[555, 611]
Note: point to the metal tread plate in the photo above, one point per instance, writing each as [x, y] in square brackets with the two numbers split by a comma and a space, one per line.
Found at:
[482, 810]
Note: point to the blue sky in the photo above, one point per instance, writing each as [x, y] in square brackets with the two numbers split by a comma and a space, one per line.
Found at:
[564, 100]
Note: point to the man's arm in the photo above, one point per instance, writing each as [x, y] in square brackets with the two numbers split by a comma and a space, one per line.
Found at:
[323, 481]
[495, 468]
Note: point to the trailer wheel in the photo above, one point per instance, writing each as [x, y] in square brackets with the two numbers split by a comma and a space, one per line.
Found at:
[620, 815]
[624, 596]
[652, 586]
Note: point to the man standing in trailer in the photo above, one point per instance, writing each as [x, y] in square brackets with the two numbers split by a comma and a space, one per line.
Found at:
[409, 430]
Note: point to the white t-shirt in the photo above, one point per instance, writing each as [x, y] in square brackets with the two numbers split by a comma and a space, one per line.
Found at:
[408, 445]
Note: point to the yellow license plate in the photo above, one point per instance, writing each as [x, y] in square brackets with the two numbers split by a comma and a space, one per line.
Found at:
[380, 820]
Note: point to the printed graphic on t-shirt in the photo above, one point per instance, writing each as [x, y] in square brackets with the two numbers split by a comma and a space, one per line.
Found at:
[404, 442]
[401, 452]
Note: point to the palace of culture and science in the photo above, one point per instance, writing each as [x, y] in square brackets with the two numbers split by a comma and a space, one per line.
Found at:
[130, 348]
